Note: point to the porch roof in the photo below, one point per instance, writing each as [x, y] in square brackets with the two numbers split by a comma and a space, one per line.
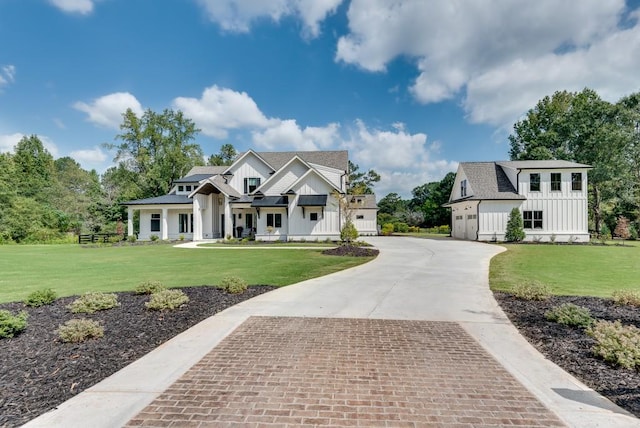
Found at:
[312, 200]
[161, 200]
[271, 201]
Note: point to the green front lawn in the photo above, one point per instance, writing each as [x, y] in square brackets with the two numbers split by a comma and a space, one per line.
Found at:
[579, 270]
[72, 269]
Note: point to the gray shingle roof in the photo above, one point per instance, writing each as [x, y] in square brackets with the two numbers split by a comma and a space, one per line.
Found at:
[368, 201]
[338, 159]
[195, 178]
[541, 164]
[161, 200]
[488, 181]
[208, 170]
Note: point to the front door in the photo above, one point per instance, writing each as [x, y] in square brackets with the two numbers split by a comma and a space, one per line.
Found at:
[248, 221]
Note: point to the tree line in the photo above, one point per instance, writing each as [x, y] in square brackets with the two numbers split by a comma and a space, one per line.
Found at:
[43, 199]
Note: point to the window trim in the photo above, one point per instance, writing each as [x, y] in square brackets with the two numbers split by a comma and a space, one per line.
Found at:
[536, 181]
[313, 216]
[533, 220]
[274, 220]
[556, 182]
[463, 188]
[576, 185]
[155, 219]
[248, 188]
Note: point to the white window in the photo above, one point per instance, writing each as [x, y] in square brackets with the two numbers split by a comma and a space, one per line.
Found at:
[155, 222]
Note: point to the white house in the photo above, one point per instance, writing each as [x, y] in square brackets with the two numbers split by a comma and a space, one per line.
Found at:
[269, 195]
[550, 194]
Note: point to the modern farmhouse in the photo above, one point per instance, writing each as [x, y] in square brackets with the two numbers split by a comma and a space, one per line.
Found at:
[551, 196]
[266, 195]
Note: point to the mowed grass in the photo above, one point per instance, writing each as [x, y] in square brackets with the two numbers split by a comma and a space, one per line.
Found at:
[72, 269]
[572, 270]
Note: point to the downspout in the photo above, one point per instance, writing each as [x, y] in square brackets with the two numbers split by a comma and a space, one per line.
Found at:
[478, 220]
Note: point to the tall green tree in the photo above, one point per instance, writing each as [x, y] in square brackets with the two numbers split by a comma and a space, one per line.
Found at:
[583, 128]
[361, 183]
[391, 204]
[226, 156]
[158, 148]
[35, 172]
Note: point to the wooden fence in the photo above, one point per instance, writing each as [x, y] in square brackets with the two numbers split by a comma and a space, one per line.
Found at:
[94, 238]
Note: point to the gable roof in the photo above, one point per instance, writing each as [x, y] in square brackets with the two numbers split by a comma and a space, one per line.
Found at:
[488, 181]
[218, 183]
[208, 170]
[338, 159]
[195, 178]
[306, 174]
[368, 202]
[541, 164]
[274, 177]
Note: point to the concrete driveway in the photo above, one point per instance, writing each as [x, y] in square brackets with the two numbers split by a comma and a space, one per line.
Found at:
[412, 279]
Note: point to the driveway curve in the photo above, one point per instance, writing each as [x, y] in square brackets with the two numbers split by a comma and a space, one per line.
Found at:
[412, 279]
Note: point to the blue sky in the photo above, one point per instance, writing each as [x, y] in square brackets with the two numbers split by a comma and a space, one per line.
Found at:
[409, 87]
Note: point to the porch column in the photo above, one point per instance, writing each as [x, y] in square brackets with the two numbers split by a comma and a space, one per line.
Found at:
[129, 221]
[197, 219]
[165, 224]
[228, 218]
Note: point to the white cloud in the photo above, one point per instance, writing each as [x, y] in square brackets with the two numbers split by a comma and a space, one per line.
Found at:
[7, 75]
[402, 159]
[83, 7]
[8, 142]
[222, 109]
[288, 135]
[500, 56]
[106, 111]
[90, 156]
[238, 15]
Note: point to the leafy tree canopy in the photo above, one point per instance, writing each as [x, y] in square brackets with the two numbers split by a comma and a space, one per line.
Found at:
[226, 156]
[361, 183]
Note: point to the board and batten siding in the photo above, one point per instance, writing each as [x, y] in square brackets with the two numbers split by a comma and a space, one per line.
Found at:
[282, 180]
[493, 217]
[336, 176]
[250, 167]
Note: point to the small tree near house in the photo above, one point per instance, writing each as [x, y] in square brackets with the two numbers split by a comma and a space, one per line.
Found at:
[515, 227]
[348, 232]
[622, 228]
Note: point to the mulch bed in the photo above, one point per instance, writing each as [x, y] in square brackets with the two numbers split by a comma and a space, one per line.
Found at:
[39, 372]
[570, 348]
[351, 250]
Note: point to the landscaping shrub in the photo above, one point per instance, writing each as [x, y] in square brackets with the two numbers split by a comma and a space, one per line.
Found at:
[570, 314]
[132, 239]
[92, 302]
[414, 229]
[40, 298]
[167, 300]
[626, 297]
[154, 238]
[532, 290]
[348, 232]
[10, 324]
[444, 229]
[387, 229]
[149, 287]
[79, 330]
[400, 227]
[515, 227]
[616, 343]
[233, 285]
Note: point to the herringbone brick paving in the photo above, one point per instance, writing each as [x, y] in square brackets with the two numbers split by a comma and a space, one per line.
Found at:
[279, 371]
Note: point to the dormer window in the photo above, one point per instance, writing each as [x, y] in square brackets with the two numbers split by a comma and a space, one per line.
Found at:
[180, 188]
[188, 188]
[251, 184]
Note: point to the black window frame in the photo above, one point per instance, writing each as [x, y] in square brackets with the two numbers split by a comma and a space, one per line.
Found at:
[274, 220]
[534, 182]
[180, 188]
[248, 188]
[576, 184]
[463, 188]
[155, 221]
[359, 216]
[183, 222]
[556, 185]
[533, 220]
[313, 216]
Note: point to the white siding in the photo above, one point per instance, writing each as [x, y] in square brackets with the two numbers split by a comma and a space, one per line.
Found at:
[281, 181]
[327, 225]
[492, 219]
[172, 221]
[368, 224]
[280, 233]
[332, 174]
[249, 167]
[455, 192]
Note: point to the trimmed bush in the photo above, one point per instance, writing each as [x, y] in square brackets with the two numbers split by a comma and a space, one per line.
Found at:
[348, 232]
[10, 324]
[616, 343]
[92, 302]
[515, 227]
[154, 238]
[532, 291]
[40, 298]
[387, 229]
[167, 300]
[132, 239]
[149, 287]
[233, 285]
[626, 297]
[400, 227]
[79, 330]
[570, 314]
